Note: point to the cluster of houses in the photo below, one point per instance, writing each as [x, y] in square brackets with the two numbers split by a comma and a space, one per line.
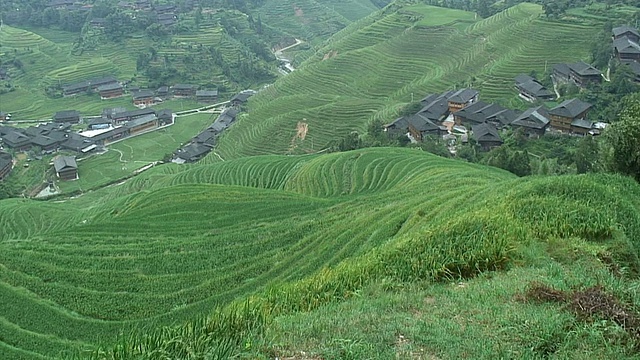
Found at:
[109, 87]
[453, 112]
[114, 124]
[204, 142]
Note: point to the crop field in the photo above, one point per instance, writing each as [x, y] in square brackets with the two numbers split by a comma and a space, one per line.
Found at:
[126, 156]
[369, 70]
[169, 245]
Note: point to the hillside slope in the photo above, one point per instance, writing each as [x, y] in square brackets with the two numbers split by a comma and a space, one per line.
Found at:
[169, 246]
[370, 69]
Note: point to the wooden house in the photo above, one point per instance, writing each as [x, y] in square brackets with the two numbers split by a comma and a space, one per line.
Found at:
[533, 121]
[241, 98]
[486, 136]
[143, 98]
[165, 117]
[583, 74]
[207, 96]
[563, 115]
[184, 90]
[142, 124]
[625, 31]
[626, 50]
[16, 140]
[531, 90]
[420, 127]
[67, 116]
[581, 126]
[6, 164]
[66, 167]
[75, 88]
[462, 98]
[110, 91]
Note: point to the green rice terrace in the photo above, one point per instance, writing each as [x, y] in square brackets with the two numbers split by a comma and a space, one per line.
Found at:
[376, 65]
[284, 235]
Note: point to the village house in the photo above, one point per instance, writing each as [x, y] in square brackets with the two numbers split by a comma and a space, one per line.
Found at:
[399, 126]
[78, 143]
[626, 50]
[67, 116]
[533, 122]
[75, 89]
[241, 98]
[207, 96]
[143, 98]
[531, 90]
[121, 117]
[184, 90]
[110, 91]
[142, 124]
[480, 112]
[66, 167]
[625, 31]
[567, 113]
[165, 117]
[6, 164]
[162, 92]
[191, 153]
[420, 127]
[109, 113]
[462, 98]
[46, 144]
[634, 66]
[142, 5]
[16, 140]
[486, 135]
[581, 74]
[207, 137]
[436, 109]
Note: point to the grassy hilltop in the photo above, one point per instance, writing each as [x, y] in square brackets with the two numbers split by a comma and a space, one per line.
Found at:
[369, 70]
[168, 246]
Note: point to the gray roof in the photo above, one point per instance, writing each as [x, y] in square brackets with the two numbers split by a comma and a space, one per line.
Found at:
[110, 86]
[533, 87]
[241, 97]
[143, 94]
[421, 123]
[62, 163]
[570, 108]
[535, 118]
[485, 133]
[635, 67]
[65, 114]
[76, 86]
[621, 30]
[626, 46]
[193, 151]
[15, 137]
[184, 87]
[400, 123]
[99, 121]
[207, 93]
[463, 95]
[436, 109]
[584, 69]
[562, 69]
[42, 141]
[582, 123]
[523, 78]
[142, 120]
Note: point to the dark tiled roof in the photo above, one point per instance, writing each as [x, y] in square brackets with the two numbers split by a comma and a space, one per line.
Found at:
[635, 67]
[570, 108]
[533, 87]
[534, 118]
[463, 96]
[241, 97]
[562, 69]
[65, 114]
[193, 151]
[184, 87]
[621, 30]
[5, 160]
[584, 69]
[43, 141]
[143, 94]
[165, 113]
[109, 87]
[421, 123]
[79, 86]
[581, 123]
[437, 109]
[99, 121]
[485, 133]
[64, 162]
[141, 120]
[626, 46]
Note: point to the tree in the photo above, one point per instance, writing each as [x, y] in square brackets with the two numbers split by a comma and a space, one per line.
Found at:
[623, 139]
[411, 108]
[586, 155]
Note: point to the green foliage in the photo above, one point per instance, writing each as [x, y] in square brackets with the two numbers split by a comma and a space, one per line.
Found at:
[623, 139]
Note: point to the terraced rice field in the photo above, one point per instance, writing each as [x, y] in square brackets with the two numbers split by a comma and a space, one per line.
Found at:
[169, 245]
[369, 70]
[166, 247]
